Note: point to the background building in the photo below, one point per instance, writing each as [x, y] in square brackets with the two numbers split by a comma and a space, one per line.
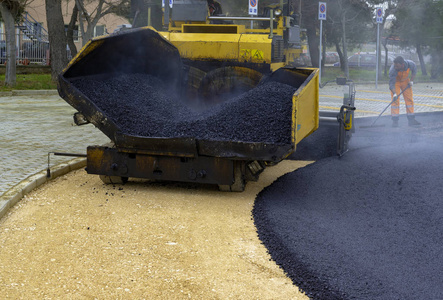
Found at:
[32, 36]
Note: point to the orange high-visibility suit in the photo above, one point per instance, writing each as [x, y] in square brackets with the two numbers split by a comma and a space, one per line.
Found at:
[398, 81]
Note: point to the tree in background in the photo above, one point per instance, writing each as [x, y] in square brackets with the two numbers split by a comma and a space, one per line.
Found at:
[349, 22]
[237, 8]
[309, 13]
[11, 10]
[390, 9]
[420, 24]
[146, 12]
[70, 31]
[88, 18]
[434, 22]
[409, 26]
[57, 37]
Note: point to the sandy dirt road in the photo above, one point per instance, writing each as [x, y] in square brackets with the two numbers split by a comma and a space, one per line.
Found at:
[76, 238]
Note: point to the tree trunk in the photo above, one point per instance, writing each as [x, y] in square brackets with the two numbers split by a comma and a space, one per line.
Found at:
[340, 54]
[70, 31]
[323, 57]
[57, 37]
[437, 63]
[8, 19]
[422, 61]
[380, 34]
[313, 43]
[385, 45]
[89, 33]
[345, 47]
[309, 12]
[89, 20]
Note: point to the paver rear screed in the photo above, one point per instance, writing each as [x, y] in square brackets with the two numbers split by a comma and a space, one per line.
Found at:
[143, 105]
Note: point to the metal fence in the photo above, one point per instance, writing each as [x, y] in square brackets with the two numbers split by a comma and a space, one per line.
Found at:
[32, 43]
[28, 51]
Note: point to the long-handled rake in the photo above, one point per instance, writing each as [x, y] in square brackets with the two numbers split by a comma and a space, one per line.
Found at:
[393, 100]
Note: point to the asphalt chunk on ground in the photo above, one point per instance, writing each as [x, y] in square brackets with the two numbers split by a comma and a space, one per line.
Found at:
[368, 225]
[142, 105]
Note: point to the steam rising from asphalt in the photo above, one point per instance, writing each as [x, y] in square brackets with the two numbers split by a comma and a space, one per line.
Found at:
[323, 142]
[432, 126]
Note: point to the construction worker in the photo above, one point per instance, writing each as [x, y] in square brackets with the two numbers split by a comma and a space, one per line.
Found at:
[399, 81]
[215, 8]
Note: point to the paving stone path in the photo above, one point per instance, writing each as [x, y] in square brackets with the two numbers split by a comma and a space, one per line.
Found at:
[371, 101]
[32, 126]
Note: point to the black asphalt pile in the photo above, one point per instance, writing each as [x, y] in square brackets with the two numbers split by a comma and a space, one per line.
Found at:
[142, 105]
[368, 225]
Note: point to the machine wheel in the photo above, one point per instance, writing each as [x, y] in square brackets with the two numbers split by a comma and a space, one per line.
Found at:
[239, 180]
[113, 179]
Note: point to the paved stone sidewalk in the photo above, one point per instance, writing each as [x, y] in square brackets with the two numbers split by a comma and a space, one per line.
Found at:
[33, 125]
[371, 101]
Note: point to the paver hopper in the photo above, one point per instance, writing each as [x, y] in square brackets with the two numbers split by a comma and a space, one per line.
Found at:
[114, 83]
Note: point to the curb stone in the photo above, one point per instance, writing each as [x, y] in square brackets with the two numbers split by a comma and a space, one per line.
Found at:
[17, 192]
[28, 93]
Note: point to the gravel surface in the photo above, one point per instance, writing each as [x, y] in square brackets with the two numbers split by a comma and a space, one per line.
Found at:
[76, 238]
[143, 105]
[368, 225]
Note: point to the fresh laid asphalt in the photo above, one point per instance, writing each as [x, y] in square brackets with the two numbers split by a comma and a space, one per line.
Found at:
[34, 125]
[368, 225]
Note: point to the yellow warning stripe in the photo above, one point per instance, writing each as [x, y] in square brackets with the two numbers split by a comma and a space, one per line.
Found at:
[415, 95]
[359, 110]
[428, 105]
[330, 107]
[384, 101]
[365, 99]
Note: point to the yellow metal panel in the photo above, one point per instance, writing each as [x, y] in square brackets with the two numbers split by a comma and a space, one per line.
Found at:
[85, 50]
[292, 55]
[305, 107]
[276, 66]
[203, 46]
[164, 34]
[213, 29]
[255, 48]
